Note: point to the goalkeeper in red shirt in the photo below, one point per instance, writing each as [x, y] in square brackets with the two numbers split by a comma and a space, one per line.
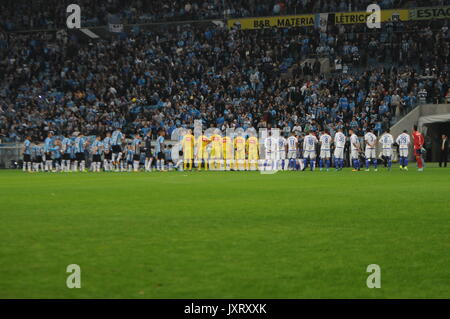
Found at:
[418, 147]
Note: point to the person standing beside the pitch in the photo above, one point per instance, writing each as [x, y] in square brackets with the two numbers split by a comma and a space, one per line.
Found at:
[355, 148]
[159, 150]
[282, 145]
[137, 144]
[252, 147]
[107, 158]
[371, 142]
[268, 146]
[97, 151]
[65, 150]
[80, 157]
[148, 151]
[292, 143]
[339, 144]
[37, 157]
[48, 144]
[27, 154]
[418, 146]
[239, 154]
[309, 147]
[116, 143]
[443, 149]
[403, 142]
[201, 155]
[386, 141]
[325, 150]
[188, 150]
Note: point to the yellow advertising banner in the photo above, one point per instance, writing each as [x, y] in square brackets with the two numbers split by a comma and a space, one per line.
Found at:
[309, 19]
[361, 16]
[270, 22]
[429, 13]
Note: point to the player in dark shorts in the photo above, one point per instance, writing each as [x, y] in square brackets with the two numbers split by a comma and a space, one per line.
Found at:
[107, 153]
[97, 150]
[107, 158]
[137, 149]
[27, 154]
[159, 149]
[148, 151]
[48, 144]
[38, 160]
[117, 138]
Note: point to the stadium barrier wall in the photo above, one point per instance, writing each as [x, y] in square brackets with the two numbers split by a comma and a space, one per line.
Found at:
[10, 153]
[412, 118]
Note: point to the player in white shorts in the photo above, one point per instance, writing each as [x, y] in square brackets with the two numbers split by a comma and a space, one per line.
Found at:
[355, 148]
[386, 142]
[270, 145]
[325, 150]
[339, 144]
[403, 141]
[282, 144]
[371, 142]
[292, 144]
[309, 150]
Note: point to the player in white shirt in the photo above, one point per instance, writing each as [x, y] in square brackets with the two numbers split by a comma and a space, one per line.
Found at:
[309, 150]
[386, 141]
[371, 142]
[270, 145]
[325, 150]
[292, 144]
[339, 144]
[403, 141]
[355, 148]
[282, 144]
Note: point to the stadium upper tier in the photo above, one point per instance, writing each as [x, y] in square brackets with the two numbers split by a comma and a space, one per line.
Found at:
[44, 14]
[172, 75]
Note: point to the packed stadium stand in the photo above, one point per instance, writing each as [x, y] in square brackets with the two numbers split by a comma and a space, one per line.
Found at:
[170, 74]
[24, 14]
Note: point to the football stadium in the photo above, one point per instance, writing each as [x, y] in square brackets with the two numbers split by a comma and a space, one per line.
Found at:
[224, 149]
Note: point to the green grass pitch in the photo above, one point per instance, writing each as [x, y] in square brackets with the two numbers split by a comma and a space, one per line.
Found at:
[225, 234]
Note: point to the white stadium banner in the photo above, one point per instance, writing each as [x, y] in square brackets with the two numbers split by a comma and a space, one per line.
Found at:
[433, 119]
[321, 21]
[116, 27]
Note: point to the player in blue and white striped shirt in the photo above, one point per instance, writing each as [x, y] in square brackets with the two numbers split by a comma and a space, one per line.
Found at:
[107, 150]
[129, 156]
[137, 143]
[159, 151]
[97, 151]
[56, 154]
[38, 154]
[48, 144]
[80, 158]
[72, 153]
[116, 143]
[65, 150]
[27, 154]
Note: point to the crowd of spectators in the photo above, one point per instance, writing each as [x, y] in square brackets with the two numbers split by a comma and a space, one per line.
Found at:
[50, 14]
[173, 75]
